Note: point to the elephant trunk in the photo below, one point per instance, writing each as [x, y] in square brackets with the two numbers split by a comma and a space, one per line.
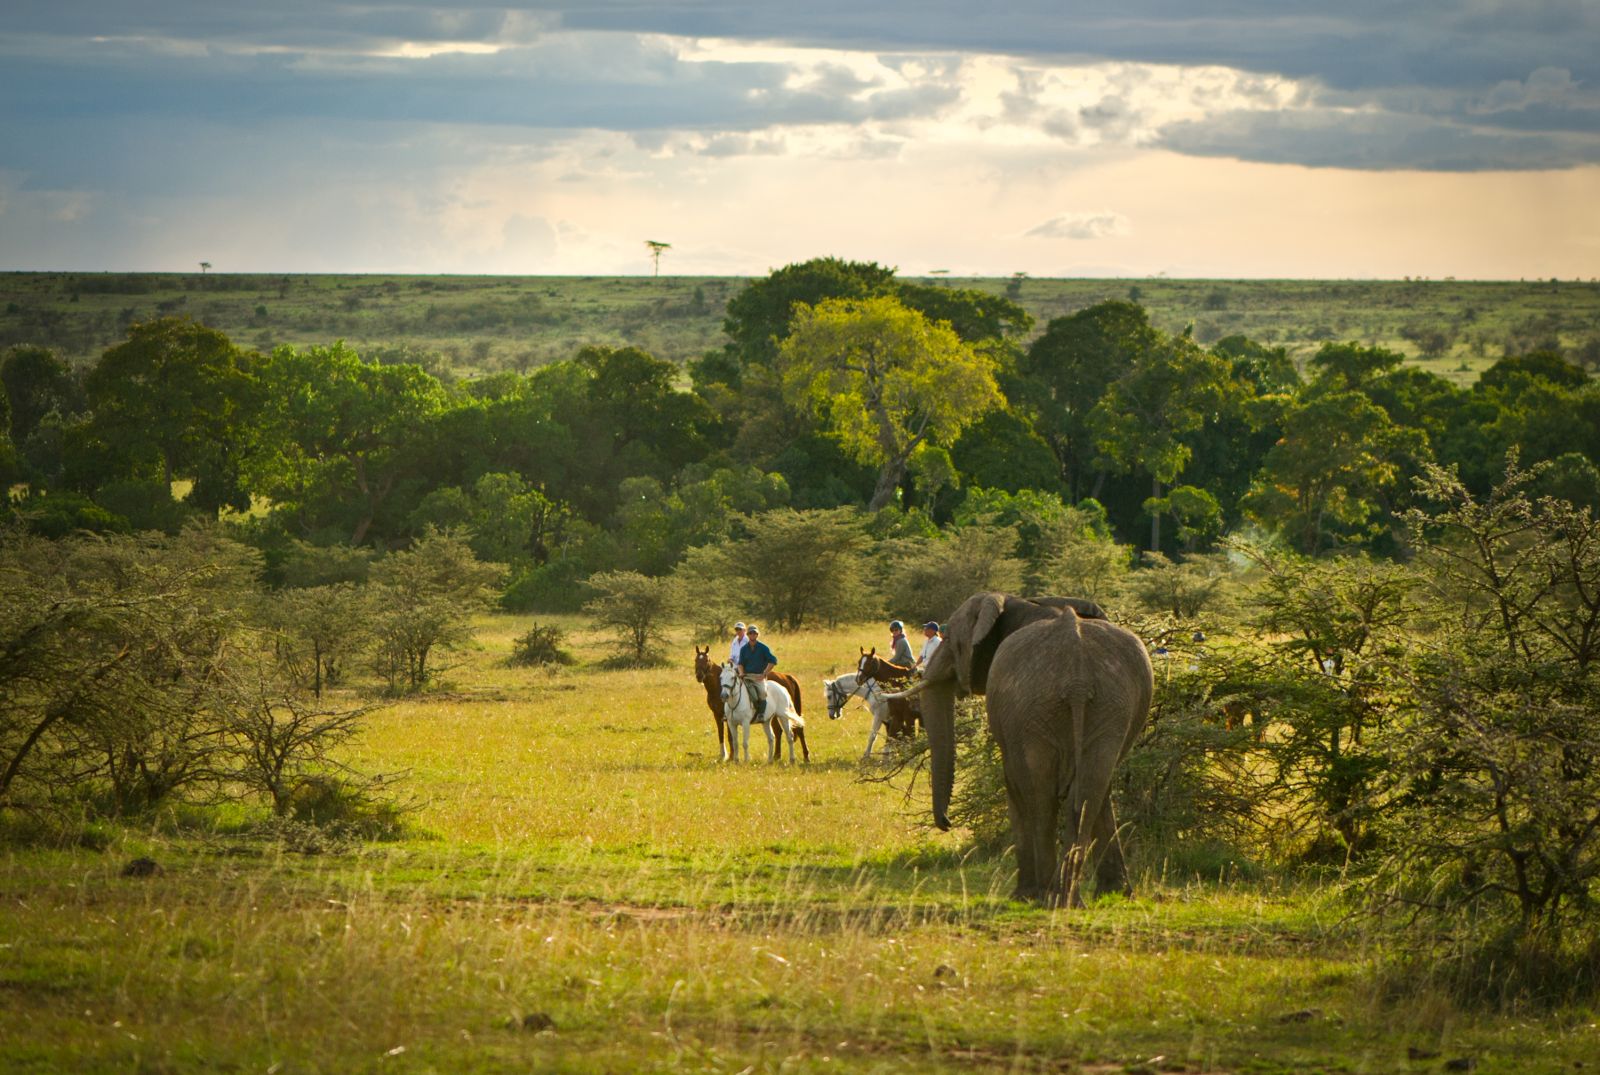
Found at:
[939, 719]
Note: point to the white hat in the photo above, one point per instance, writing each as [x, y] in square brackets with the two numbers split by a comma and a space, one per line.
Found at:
[739, 626]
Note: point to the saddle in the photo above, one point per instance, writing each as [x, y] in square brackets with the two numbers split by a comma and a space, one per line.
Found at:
[758, 700]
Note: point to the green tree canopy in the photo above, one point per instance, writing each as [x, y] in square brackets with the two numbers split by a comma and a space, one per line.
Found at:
[1338, 450]
[884, 380]
[1066, 372]
[1172, 389]
[343, 433]
[758, 317]
[177, 395]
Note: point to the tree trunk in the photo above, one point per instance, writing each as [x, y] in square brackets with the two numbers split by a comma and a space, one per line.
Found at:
[888, 482]
[1155, 516]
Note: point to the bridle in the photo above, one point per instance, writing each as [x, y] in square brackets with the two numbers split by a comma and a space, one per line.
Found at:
[838, 696]
[730, 690]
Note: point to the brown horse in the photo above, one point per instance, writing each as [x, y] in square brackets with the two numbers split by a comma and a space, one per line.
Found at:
[707, 672]
[904, 716]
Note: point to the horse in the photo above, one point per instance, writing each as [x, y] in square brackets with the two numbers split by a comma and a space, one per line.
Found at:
[707, 673]
[739, 711]
[871, 666]
[850, 685]
[904, 716]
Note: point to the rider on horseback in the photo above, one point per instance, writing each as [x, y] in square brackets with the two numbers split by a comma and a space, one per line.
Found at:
[756, 660]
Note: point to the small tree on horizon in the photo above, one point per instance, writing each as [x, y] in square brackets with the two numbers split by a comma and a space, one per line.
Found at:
[657, 248]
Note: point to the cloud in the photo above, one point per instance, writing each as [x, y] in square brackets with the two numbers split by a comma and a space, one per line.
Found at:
[1101, 225]
[1381, 141]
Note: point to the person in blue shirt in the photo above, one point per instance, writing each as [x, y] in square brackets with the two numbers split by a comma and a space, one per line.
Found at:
[756, 660]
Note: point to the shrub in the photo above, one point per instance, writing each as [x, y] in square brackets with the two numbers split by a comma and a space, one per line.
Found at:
[794, 567]
[1491, 825]
[423, 600]
[929, 579]
[633, 604]
[539, 646]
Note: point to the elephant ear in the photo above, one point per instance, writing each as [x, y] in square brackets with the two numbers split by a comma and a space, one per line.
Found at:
[975, 657]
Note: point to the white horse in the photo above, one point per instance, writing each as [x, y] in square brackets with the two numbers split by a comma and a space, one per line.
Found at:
[740, 713]
[851, 685]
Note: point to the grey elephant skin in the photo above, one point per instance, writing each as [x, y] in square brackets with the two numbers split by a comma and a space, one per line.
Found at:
[1068, 692]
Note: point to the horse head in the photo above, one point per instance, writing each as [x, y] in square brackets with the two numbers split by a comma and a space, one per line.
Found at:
[730, 678]
[702, 663]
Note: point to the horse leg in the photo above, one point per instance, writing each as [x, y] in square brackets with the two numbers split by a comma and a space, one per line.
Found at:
[872, 736]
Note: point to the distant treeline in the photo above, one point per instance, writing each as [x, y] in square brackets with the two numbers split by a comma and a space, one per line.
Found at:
[468, 326]
[837, 385]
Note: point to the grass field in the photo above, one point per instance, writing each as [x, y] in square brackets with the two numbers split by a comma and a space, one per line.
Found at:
[470, 325]
[588, 890]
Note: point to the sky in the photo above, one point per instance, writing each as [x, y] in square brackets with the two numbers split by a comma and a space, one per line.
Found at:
[1121, 138]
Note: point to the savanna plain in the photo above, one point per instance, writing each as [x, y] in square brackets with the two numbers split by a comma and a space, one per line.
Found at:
[583, 886]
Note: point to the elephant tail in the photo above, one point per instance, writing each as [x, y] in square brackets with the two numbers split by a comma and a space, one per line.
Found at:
[1079, 691]
[1078, 703]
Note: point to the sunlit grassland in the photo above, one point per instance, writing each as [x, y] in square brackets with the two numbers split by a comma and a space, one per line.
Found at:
[588, 889]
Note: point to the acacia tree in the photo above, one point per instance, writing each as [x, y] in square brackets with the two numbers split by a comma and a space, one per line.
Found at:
[885, 381]
[423, 599]
[633, 604]
[811, 567]
[1493, 817]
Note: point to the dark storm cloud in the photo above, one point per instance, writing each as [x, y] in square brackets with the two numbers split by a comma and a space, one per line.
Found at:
[1375, 141]
[1430, 83]
[1358, 43]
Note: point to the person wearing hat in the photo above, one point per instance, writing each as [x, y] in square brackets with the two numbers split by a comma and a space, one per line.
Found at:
[739, 640]
[931, 640]
[755, 658]
[899, 645]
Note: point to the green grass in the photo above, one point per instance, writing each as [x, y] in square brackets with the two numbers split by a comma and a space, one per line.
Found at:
[478, 324]
[588, 890]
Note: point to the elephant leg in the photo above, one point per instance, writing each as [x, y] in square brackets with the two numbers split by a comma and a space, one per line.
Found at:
[1111, 869]
[1031, 790]
[1027, 877]
[1093, 790]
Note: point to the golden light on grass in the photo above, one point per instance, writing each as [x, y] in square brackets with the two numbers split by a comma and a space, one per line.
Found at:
[590, 890]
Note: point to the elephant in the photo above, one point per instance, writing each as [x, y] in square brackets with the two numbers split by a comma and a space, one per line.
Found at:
[1068, 692]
